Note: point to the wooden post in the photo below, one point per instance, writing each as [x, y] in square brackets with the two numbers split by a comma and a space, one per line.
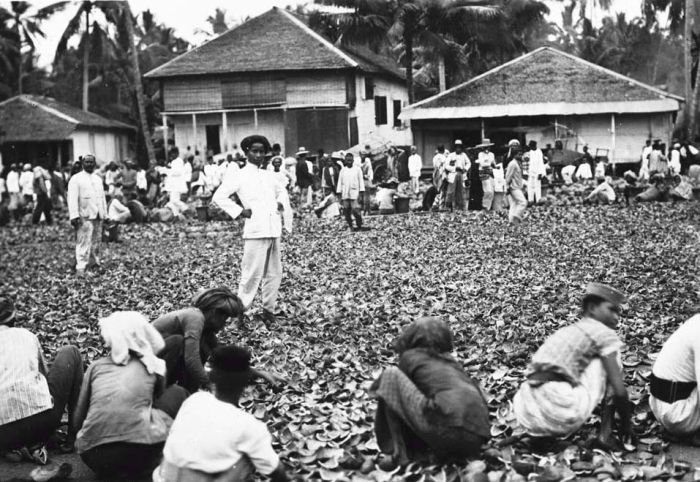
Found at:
[165, 136]
[194, 131]
[255, 118]
[556, 129]
[483, 130]
[224, 137]
[612, 144]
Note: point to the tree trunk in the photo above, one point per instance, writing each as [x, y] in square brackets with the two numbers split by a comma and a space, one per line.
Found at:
[408, 47]
[441, 73]
[20, 67]
[686, 115]
[86, 58]
[138, 85]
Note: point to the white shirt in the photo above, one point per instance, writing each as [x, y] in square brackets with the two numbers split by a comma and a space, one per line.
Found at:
[604, 188]
[499, 179]
[536, 167]
[141, 181]
[350, 183]
[86, 197]
[24, 389]
[439, 161]
[677, 360]
[645, 153]
[675, 163]
[456, 161]
[117, 211]
[584, 171]
[259, 191]
[13, 182]
[211, 436]
[600, 170]
[26, 182]
[567, 172]
[415, 163]
[176, 181]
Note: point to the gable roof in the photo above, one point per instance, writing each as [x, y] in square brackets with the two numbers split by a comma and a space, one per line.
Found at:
[37, 118]
[545, 81]
[276, 40]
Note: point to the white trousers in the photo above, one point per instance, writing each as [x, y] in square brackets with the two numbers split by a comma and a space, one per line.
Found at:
[415, 184]
[517, 205]
[88, 242]
[680, 417]
[534, 190]
[487, 200]
[262, 262]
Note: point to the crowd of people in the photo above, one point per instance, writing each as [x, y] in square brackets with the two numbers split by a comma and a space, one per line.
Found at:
[165, 399]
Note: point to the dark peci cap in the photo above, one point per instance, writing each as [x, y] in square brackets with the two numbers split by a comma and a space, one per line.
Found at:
[230, 359]
[608, 293]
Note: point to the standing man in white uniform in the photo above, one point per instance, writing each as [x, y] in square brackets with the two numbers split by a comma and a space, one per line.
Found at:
[261, 196]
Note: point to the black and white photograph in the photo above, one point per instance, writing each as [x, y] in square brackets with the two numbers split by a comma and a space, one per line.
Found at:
[349, 240]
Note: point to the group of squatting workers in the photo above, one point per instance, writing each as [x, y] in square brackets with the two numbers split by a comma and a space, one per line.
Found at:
[165, 398]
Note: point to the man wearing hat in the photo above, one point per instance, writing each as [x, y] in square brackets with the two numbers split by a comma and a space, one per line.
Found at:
[456, 165]
[34, 396]
[570, 373]
[674, 379]
[262, 198]
[486, 161]
[305, 179]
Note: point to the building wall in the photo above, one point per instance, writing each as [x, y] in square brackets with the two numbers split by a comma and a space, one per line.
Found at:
[631, 130]
[106, 146]
[365, 111]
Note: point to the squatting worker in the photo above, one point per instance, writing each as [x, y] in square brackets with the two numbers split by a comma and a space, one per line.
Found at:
[674, 382]
[87, 208]
[262, 198]
[571, 372]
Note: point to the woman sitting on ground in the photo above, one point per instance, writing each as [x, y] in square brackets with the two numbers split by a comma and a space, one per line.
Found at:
[212, 439]
[124, 411]
[428, 406]
[33, 397]
[570, 373]
[190, 335]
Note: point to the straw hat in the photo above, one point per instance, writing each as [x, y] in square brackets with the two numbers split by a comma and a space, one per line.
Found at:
[302, 151]
[485, 142]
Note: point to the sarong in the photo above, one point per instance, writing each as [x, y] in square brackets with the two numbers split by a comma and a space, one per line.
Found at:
[560, 408]
[681, 417]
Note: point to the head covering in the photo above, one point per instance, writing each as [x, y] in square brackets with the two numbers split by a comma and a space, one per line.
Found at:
[302, 150]
[27, 167]
[513, 143]
[458, 142]
[125, 332]
[7, 310]
[337, 155]
[218, 299]
[485, 142]
[427, 332]
[250, 140]
[677, 145]
[608, 293]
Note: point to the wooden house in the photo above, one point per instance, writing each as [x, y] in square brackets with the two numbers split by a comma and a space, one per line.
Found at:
[33, 128]
[547, 95]
[274, 76]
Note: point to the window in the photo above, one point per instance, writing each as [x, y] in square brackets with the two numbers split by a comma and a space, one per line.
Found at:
[397, 111]
[380, 110]
[369, 88]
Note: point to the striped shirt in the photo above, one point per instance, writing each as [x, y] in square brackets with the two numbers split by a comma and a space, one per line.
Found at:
[24, 388]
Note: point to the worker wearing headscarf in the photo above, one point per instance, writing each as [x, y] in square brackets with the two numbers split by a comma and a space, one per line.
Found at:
[190, 334]
[124, 411]
[428, 405]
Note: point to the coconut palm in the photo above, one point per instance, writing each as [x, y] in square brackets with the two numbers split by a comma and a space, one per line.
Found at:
[414, 23]
[25, 29]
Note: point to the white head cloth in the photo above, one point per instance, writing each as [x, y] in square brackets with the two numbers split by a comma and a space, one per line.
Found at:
[130, 331]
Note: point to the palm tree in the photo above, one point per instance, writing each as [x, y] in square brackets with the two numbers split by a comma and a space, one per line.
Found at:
[414, 23]
[25, 28]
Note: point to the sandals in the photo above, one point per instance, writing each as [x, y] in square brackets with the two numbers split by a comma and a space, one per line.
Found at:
[36, 454]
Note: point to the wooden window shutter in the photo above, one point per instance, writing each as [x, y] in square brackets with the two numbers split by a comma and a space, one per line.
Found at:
[380, 116]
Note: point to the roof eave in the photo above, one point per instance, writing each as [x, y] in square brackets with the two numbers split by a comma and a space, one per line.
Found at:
[550, 108]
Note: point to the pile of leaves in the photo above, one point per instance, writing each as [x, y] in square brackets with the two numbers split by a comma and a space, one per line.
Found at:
[345, 296]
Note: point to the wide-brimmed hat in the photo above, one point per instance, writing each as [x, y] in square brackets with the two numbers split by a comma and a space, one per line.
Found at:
[337, 155]
[302, 150]
[485, 142]
[608, 293]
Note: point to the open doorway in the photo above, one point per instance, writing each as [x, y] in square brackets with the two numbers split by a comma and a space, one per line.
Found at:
[213, 141]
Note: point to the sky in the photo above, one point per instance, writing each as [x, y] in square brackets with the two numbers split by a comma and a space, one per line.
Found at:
[188, 17]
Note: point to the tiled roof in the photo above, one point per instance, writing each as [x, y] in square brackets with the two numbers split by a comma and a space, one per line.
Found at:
[37, 118]
[544, 76]
[277, 40]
